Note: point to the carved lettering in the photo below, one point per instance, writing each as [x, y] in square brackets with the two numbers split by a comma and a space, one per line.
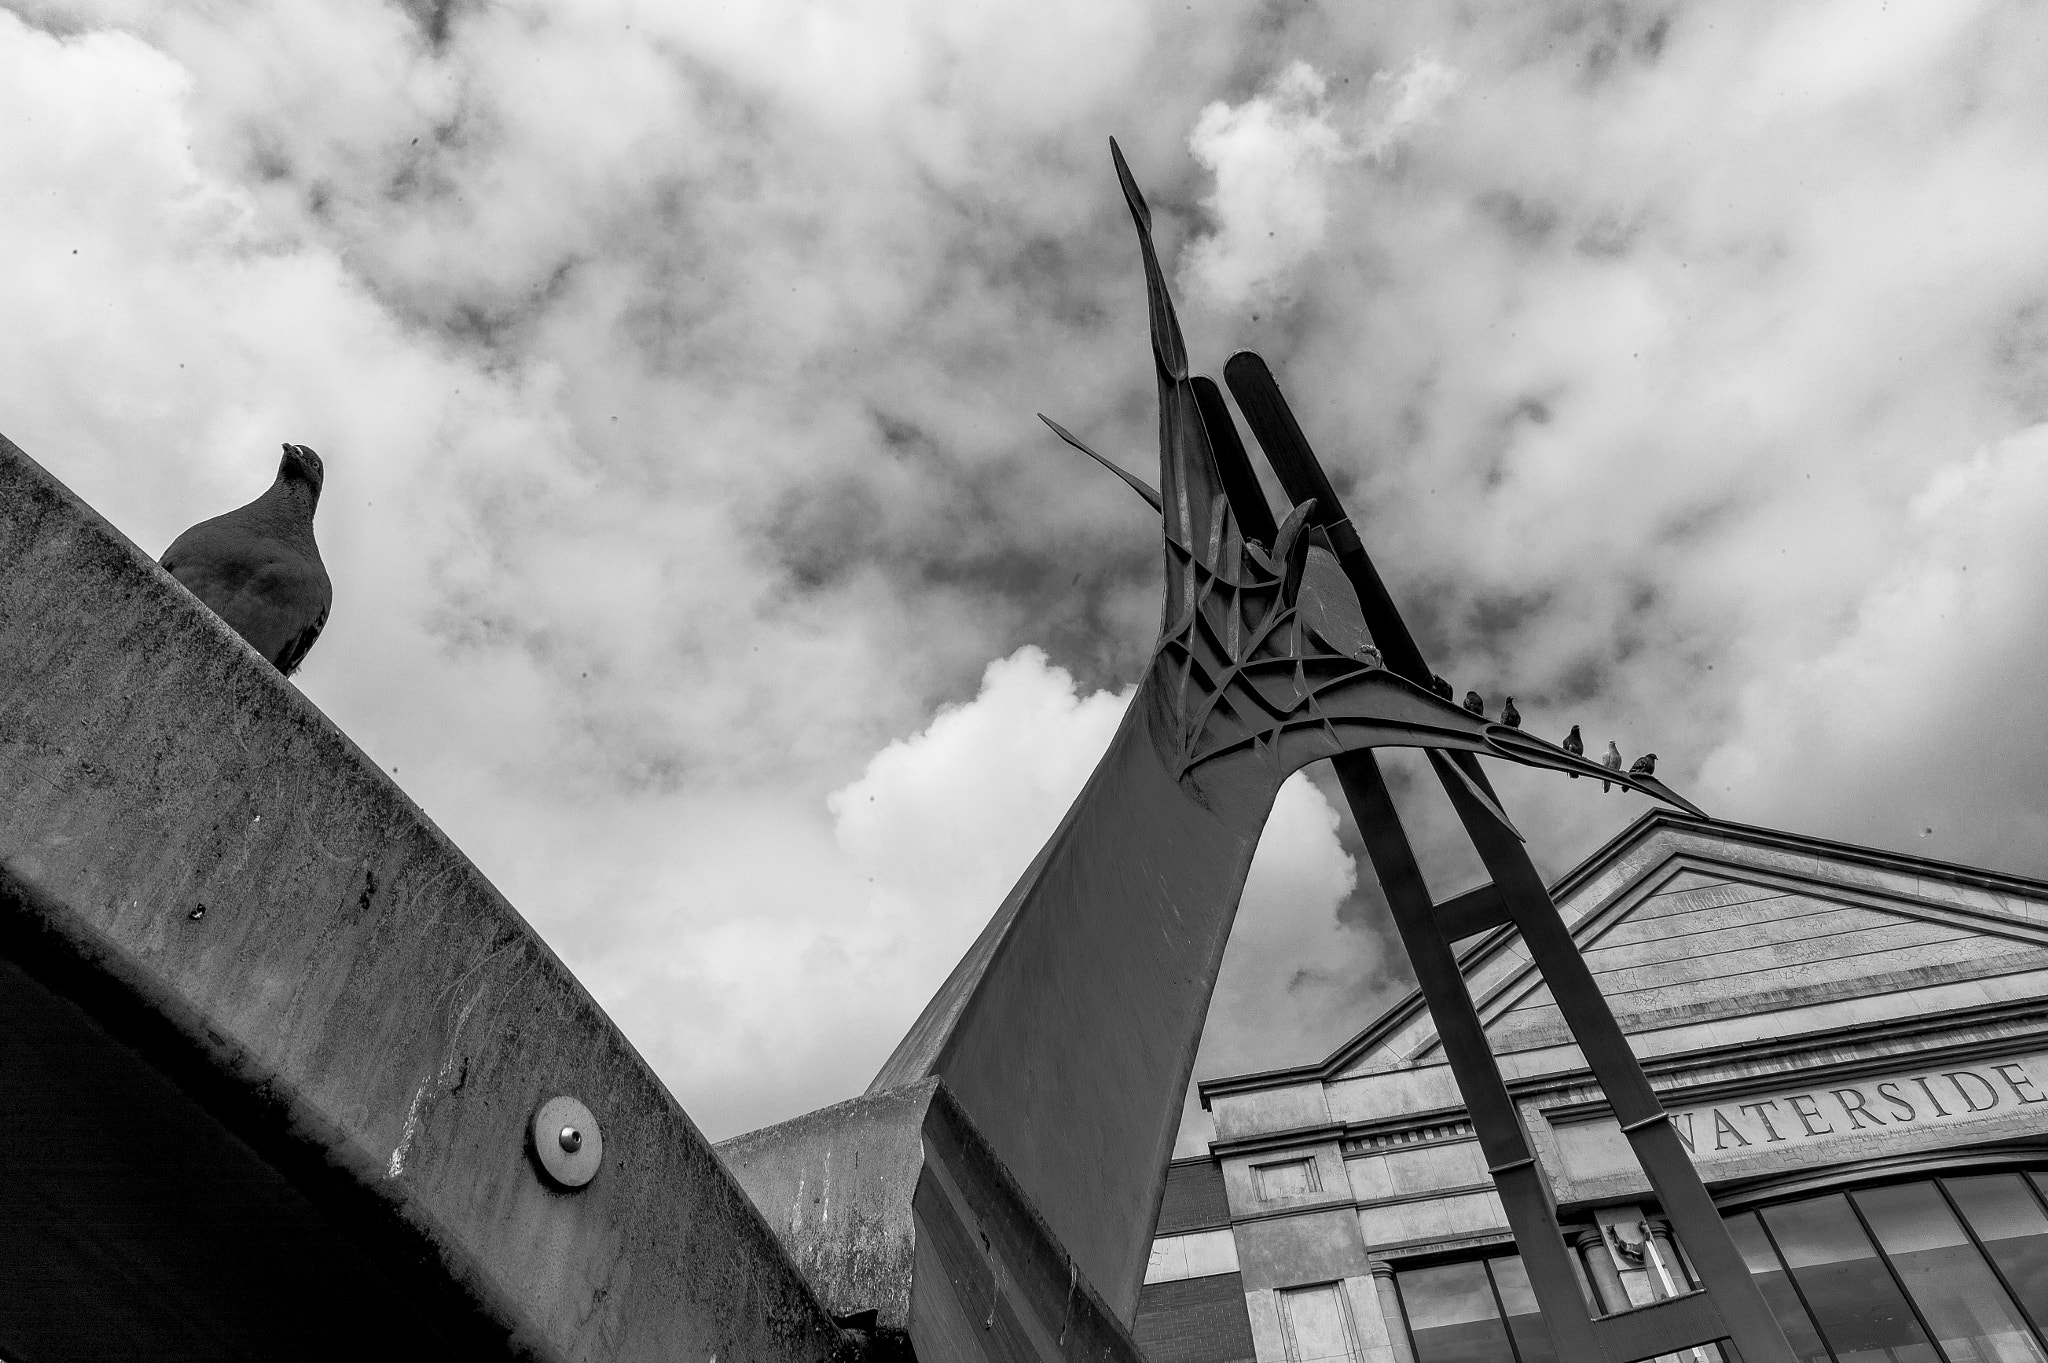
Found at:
[1723, 1126]
[1857, 1110]
[2017, 1091]
[1957, 1077]
[1867, 1105]
[1807, 1119]
[1763, 1116]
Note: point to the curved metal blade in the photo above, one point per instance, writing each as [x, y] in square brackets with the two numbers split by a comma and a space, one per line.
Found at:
[1521, 746]
[1138, 485]
[1652, 786]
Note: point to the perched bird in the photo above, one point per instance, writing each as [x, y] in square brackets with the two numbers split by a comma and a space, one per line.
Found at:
[1646, 765]
[1441, 687]
[1612, 761]
[257, 567]
[1509, 715]
[1574, 745]
[1474, 703]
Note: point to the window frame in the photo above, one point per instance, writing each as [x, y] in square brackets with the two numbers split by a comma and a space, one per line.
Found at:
[2031, 1171]
[1484, 1257]
[1937, 1176]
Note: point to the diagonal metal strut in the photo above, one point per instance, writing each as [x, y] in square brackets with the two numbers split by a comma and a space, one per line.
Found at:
[1730, 1307]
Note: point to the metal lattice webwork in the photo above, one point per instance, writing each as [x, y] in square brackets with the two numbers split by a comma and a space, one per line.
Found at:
[1248, 675]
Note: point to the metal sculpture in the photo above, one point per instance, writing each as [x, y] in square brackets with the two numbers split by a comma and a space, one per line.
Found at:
[1069, 1031]
[1730, 1308]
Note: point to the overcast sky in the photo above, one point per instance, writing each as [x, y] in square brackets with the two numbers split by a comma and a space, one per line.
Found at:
[701, 568]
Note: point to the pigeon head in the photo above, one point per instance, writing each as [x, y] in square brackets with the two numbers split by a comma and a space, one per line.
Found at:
[301, 465]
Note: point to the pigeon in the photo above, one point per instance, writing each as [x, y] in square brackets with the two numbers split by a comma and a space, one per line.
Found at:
[1474, 703]
[1509, 715]
[1574, 745]
[1646, 765]
[257, 567]
[1441, 687]
[1612, 760]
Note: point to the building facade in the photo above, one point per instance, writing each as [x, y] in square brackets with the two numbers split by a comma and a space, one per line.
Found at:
[1853, 1044]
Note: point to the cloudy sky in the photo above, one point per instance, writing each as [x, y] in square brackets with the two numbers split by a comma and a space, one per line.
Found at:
[701, 567]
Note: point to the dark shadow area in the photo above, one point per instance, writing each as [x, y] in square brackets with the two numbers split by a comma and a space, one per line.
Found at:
[140, 1219]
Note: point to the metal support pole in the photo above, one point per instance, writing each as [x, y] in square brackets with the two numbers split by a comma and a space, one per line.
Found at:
[1724, 1274]
[1733, 1308]
[1524, 1192]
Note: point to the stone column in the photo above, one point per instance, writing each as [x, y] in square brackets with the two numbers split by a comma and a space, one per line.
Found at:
[1601, 1269]
[1391, 1312]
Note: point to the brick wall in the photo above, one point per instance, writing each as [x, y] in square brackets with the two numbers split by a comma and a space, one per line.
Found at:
[1194, 1198]
[1195, 1320]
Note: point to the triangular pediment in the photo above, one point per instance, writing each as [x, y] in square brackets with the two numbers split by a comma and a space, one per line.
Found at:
[1703, 934]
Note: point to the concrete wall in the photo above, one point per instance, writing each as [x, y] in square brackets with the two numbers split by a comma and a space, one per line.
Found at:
[350, 971]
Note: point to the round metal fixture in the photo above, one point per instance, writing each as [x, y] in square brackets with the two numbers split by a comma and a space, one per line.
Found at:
[567, 1142]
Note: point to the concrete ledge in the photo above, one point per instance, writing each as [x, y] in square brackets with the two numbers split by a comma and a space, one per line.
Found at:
[362, 1013]
[894, 1203]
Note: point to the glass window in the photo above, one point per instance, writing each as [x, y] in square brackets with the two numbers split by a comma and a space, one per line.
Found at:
[1777, 1289]
[1959, 1296]
[1452, 1316]
[1849, 1290]
[1316, 1325]
[1518, 1300]
[1951, 1270]
[2014, 1231]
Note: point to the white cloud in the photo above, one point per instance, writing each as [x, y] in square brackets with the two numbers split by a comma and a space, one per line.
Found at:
[943, 822]
[1272, 158]
[1918, 708]
[674, 372]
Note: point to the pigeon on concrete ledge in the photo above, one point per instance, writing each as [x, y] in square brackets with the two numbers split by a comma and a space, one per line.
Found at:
[257, 567]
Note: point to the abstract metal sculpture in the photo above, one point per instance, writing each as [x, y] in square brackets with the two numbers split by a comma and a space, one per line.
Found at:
[1069, 1031]
[991, 1197]
[1730, 1307]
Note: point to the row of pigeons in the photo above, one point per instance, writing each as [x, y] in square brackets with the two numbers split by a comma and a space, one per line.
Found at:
[1646, 765]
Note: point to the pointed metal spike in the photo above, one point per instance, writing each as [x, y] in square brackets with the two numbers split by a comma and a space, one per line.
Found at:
[1138, 485]
[1167, 346]
[1133, 196]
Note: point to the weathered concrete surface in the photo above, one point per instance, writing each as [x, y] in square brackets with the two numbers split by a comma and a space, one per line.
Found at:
[894, 1203]
[836, 1186]
[357, 1006]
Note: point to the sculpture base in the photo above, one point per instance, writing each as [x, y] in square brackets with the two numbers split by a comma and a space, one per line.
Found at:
[893, 1204]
